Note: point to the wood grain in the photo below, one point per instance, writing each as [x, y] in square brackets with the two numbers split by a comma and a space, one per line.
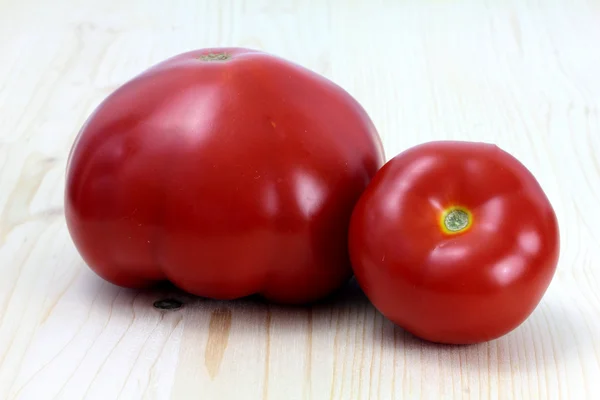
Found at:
[522, 74]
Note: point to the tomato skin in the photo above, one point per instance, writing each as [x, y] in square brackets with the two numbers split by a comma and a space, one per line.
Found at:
[228, 177]
[468, 287]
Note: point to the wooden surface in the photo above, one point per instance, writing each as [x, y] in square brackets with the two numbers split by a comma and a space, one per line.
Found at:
[522, 74]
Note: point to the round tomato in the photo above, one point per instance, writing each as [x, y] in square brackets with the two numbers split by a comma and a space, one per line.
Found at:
[454, 241]
[228, 172]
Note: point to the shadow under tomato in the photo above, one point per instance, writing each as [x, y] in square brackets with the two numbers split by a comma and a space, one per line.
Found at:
[347, 326]
[169, 297]
[556, 334]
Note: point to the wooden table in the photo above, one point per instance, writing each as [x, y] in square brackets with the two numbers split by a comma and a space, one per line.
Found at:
[522, 74]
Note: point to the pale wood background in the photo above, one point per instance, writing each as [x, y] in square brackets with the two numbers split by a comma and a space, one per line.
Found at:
[522, 74]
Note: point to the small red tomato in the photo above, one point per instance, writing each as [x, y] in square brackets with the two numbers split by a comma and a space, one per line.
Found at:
[228, 172]
[455, 242]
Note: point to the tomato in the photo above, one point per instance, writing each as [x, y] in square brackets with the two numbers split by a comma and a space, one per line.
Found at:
[228, 172]
[454, 241]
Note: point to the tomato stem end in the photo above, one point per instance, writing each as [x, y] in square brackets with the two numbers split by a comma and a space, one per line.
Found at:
[211, 57]
[456, 220]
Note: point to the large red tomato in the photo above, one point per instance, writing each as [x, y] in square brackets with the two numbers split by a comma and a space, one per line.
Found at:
[454, 241]
[228, 172]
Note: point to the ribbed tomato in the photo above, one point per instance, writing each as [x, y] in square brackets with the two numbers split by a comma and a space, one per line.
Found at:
[226, 171]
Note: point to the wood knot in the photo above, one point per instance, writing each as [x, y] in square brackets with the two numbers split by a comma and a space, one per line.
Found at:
[168, 304]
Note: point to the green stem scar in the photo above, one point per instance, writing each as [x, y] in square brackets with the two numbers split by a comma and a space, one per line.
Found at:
[215, 57]
[456, 220]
